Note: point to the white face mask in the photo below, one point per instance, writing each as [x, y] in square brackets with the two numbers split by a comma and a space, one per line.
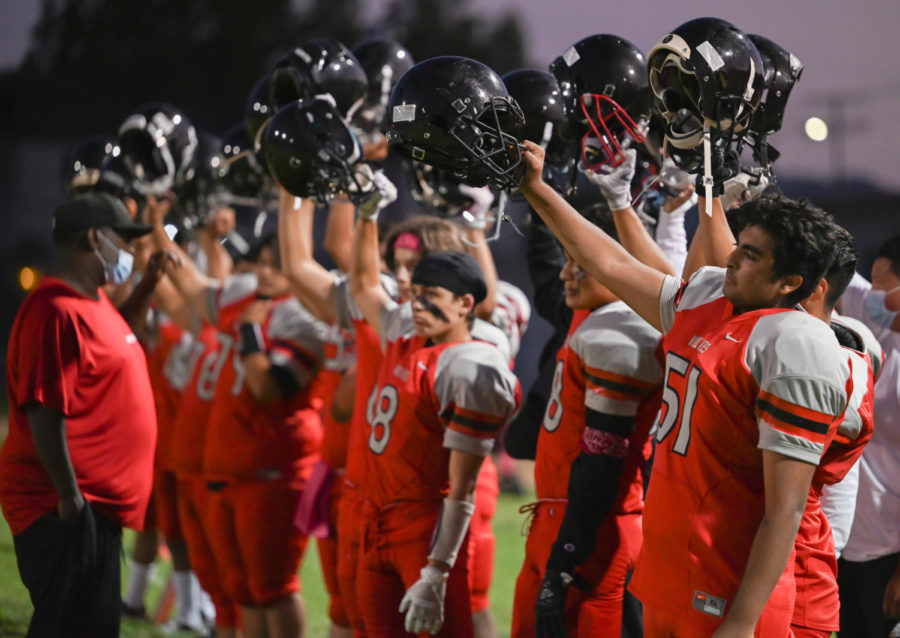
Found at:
[876, 310]
[117, 272]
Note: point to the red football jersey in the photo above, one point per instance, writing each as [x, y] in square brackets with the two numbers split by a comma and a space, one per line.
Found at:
[430, 400]
[78, 356]
[248, 439]
[165, 355]
[610, 364]
[735, 384]
[192, 416]
[340, 353]
[817, 604]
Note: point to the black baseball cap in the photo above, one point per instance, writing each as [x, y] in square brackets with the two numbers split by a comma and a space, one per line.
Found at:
[97, 210]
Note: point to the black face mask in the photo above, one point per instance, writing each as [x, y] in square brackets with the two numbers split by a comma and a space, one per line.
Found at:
[432, 309]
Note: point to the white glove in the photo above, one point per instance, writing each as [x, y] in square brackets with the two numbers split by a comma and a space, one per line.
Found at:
[616, 184]
[739, 189]
[482, 198]
[382, 194]
[423, 603]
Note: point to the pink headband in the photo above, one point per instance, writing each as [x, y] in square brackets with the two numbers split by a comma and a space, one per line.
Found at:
[410, 241]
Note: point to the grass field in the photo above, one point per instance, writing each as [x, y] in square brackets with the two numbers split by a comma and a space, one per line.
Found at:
[15, 607]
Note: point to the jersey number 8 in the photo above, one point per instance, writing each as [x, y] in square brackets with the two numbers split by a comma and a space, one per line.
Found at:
[380, 416]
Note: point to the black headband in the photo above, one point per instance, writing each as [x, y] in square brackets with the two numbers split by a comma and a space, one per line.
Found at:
[457, 272]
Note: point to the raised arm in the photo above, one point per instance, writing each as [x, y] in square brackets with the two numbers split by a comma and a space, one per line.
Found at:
[365, 270]
[189, 280]
[712, 242]
[339, 232]
[637, 284]
[473, 231]
[312, 284]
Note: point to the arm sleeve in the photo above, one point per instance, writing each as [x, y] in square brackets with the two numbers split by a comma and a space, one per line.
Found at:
[346, 309]
[545, 260]
[671, 235]
[477, 395]
[396, 322]
[48, 374]
[295, 344]
[839, 505]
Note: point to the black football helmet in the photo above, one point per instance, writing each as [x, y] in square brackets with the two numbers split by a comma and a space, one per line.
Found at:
[547, 122]
[203, 190]
[782, 71]
[258, 109]
[455, 114]
[158, 143]
[705, 74]
[605, 79]
[435, 191]
[82, 162]
[316, 67]
[384, 62]
[312, 152]
[243, 176]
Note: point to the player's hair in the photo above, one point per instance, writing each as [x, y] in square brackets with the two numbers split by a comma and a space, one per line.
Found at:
[600, 216]
[842, 268]
[436, 234]
[890, 250]
[803, 239]
[269, 240]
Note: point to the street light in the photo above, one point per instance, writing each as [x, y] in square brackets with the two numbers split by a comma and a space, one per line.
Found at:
[816, 129]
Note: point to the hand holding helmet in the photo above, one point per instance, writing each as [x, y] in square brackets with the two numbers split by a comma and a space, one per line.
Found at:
[615, 183]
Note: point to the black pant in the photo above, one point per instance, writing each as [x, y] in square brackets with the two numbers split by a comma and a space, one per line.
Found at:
[862, 588]
[72, 572]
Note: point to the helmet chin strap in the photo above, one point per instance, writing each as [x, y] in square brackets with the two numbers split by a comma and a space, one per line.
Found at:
[707, 169]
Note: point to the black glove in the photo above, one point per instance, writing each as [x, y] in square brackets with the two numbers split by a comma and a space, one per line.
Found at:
[723, 166]
[550, 610]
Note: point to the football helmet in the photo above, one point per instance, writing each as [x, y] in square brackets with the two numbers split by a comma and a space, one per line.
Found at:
[82, 162]
[319, 66]
[203, 190]
[384, 62]
[243, 175]
[455, 114]
[258, 109]
[705, 74]
[436, 191]
[158, 143]
[605, 79]
[547, 122]
[312, 152]
[782, 71]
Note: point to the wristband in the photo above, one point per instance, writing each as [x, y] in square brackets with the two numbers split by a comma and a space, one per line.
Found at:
[251, 339]
[451, 528]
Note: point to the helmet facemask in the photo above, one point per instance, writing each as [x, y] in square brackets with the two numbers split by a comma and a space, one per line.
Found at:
[494, 154]
[611, 130]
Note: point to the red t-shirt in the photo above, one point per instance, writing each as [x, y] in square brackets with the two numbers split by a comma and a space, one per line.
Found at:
[78, 356]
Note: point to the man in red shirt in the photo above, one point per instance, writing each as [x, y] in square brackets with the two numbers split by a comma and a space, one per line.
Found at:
[78, 462]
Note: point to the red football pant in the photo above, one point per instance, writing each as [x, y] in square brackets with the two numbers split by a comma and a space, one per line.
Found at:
[328, 557]
[775, 621]
[350, 533]
[396, 545]
[594, 613]
[255, 541]
[165, 491]
[481, 536]
[193, 497]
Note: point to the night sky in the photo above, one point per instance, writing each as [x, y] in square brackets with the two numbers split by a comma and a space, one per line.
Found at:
[850, 51]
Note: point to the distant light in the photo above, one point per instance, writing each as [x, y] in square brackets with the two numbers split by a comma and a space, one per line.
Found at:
[28, 279]
[817, 129]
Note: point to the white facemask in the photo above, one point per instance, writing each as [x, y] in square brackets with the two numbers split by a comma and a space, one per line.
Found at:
[117, 272]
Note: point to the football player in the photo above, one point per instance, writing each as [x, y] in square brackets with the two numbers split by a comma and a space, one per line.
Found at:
[462, 391]
[733, 355]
